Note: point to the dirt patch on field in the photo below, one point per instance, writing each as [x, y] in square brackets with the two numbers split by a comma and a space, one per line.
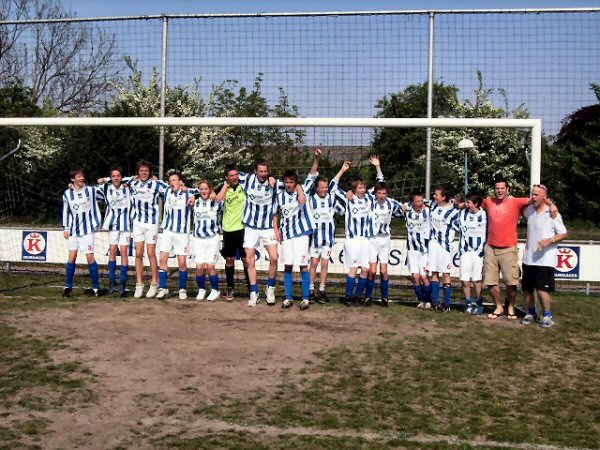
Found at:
[155, 362]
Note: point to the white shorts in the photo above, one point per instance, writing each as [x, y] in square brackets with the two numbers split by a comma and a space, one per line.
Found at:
[323, 252]
[206, 250]
[471, 267]
[145, 232]
[381, 244]
[174, 242]
[439, 259]
[416, 262]
[119, 238]
[255, 238]
[358, 252]
[295, 251]
[84, 244]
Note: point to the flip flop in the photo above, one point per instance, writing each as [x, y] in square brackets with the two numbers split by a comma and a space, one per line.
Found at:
[494, 315]
[511, 316]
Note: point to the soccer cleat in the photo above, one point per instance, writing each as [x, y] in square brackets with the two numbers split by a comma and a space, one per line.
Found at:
[162, 293]
[348, 300]
[445, 309]
[427, 305]
[112, 288]
[67, 292]
[182, 294]
[469, 309]
[422, 305]
[153, 291]
[529, 319]
[384, 302]
[201, 294]
[270, 295]
[322, 298]
[312, 297]
[287, 303]
[304, 304]
[477, 311]
[547, 322]
[214, 294]
[365, 302]
[230, 294]
[253, 299]
[122, 292]
[139, 291]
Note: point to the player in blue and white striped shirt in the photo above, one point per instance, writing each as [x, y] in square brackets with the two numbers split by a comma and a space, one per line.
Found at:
[443, 214]
[323, 206]
[384, 208]
[358, 251]
[80, 220]
[146, 192]
[175, 236]
[472, 225]
[206, 242]
[118, 223]
[293, 226]
[418, 230]
[261, 191]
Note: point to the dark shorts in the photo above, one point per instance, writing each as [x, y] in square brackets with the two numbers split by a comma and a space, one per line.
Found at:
[539, 278]
[233, 244]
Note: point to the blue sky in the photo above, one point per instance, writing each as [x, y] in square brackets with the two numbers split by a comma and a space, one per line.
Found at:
[94, 8]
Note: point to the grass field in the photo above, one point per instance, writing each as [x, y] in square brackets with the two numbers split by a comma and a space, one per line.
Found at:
[107, 373]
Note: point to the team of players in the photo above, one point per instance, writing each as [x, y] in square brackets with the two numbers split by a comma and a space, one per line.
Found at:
[267, 211]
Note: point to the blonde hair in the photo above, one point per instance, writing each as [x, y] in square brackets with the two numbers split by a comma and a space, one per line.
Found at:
[207, 182]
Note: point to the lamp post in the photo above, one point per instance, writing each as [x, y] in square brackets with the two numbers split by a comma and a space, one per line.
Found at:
[466, 145]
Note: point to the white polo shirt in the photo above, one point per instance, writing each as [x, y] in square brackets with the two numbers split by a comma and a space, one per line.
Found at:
[541, 226]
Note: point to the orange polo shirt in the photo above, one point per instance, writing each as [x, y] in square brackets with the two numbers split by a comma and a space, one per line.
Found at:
[502, 219]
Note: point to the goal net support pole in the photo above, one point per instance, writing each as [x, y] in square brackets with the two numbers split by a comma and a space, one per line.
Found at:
[535, 125]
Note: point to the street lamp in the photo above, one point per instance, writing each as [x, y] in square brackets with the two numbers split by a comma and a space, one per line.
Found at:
[466, 145]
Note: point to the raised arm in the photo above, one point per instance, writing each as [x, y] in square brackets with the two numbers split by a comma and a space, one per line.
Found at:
[222, 193]
[314, 169]
[301, 194]
[375, 161]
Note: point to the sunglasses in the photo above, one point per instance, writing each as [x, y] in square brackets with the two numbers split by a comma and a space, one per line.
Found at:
[541, 186]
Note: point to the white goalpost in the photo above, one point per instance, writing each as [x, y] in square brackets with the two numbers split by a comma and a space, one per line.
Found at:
[534, 125]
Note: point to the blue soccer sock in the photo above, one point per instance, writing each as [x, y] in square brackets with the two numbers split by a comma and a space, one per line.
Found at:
[162, 279]
[94, 275]
[435, 292]
[350, 282]
[254, 288]
[201, 281]
[427, 293]
[112, 272]
[480, 301]
[214, 282]
[370, 287]
[123, 276]
[468, 301]
[419, 291]
[305, 285]
[360, 288]
[532, 311]
[548, 313]
[447, 294]
[183, 275]
[70, 275]
[271, 282]
[288, 281]
[385, 287]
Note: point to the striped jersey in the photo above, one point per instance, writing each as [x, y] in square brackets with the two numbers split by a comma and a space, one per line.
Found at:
[418, 229]
[119, 207]
[382, 216]
[145, 198]
[473, 231]
[323, 210]
[358, 212]
[260, 201]
[177, 212]
[442, 229]
[295, 218]
[206, 218]
[81, 214]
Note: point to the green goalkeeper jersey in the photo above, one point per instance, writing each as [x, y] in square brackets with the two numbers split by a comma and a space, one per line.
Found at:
[233, 208]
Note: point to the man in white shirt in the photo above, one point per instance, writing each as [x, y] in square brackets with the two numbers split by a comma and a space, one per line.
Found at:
[539, 258]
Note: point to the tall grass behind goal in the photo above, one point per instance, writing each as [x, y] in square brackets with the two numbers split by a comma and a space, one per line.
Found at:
[30, 194]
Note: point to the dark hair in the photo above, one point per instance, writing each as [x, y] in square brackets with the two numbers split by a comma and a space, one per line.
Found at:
[231, 166]
[475, 198]
[175, 172]
[500, 179]
[291, 174]
[356, 182]
[414, 194]
[143, 163]
[382, 186]
[321, 179]
[74, 171]
[444, 190]
[117, 168]
[262, 162]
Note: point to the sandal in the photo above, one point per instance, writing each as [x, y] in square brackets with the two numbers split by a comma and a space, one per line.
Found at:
[494, 315]
[512, 316]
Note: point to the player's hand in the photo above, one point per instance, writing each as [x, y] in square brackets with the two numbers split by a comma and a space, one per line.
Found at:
[272, 181]
[71, 186]
[375, 160]
[101, 181]
[154, 178]
[66, 234]
[346, 166]
[318, 152]
[212, 195]
[553, 210]
[191, 201]
[183, 188]
[350, 195]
